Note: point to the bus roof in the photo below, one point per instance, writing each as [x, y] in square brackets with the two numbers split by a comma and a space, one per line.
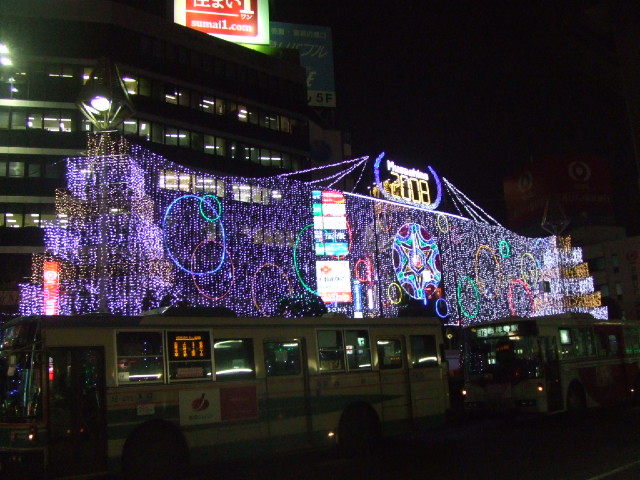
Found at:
[183, 321]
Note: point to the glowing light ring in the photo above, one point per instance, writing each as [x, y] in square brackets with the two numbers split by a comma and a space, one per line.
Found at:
[368, 267]
[432, 206]
[166, 243]
[395, 302]
[442, 315]
[295, 260]
[336, 257]
[526, 289]
[219, 208]
[505, 249]
[536, 270]
[475, 289]
[388, 227]
[477, 265]
[441, 215]
[195, 282]
[253, 282]
[416, 261]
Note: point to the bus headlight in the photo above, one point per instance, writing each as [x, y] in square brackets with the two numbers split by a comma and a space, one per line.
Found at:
[540, 388]
[33, 433]
[463, 392]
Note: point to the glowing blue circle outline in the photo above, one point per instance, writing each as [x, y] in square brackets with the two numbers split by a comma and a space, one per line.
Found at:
[166, 243]
[448, 308]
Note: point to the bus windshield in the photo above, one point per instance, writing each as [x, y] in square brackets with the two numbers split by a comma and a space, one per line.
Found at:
[20, 376]
[502, 359]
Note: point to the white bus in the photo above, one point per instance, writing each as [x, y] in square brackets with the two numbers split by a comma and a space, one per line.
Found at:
[151, 395]
[550, 363]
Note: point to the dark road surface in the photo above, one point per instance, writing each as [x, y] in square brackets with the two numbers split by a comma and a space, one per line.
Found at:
[602, 444]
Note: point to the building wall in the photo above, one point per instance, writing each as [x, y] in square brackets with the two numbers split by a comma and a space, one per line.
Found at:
[204, 101]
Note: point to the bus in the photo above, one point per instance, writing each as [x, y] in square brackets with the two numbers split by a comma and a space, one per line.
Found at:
[550, 364]
[151, 395]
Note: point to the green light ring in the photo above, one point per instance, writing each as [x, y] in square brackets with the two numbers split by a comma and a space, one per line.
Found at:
[295, 259]
[389, 293]
[441, 215]
[475, 289]
[477, 264]
[536, 270]
[504, 245]
[202, 210]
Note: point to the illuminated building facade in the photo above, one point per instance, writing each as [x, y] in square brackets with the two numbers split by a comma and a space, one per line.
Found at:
[199, 100]
[141, 231]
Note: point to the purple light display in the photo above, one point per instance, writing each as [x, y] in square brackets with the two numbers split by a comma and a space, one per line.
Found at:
[136, 231]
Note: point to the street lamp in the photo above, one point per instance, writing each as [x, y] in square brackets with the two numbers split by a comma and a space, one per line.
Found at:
[104, 99]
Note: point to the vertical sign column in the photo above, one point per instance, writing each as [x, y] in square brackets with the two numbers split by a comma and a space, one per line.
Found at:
[331, 242]
[51, 288]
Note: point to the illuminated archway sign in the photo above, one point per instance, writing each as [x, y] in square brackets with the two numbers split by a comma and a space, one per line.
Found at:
[51, 286]
[408, 185]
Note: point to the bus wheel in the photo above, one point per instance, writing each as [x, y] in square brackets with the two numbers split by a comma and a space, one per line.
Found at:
[156, 449]
[576, 399]
[359, 430]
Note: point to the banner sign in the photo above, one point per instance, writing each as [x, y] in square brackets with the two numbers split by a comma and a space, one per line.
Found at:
[315, 48]
[238, 21]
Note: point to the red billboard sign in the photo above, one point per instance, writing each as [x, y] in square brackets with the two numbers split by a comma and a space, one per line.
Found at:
[241, 21]
[578, 184]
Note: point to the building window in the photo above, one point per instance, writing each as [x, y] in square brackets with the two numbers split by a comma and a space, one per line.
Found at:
[242, 193]
[619, 290]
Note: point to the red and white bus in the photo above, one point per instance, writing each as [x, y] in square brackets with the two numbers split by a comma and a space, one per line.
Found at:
[550, 363]
[150, 395]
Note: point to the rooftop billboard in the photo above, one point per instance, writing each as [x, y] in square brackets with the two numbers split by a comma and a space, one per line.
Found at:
[238, 21]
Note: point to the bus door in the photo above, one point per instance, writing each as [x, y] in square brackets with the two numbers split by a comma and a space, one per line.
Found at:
[287, 390]
[552, 373]
[429, 397]
[76, 410]
[394, 383]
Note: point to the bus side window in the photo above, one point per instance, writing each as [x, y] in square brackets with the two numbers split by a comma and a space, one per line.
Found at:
[358, 350]
[330, 350]
[424, 351]
[140, 357]
[282, 358]
[389, 353]
[614, 345]
[233, 358]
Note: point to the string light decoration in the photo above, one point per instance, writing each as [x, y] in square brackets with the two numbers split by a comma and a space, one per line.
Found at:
[136, 230]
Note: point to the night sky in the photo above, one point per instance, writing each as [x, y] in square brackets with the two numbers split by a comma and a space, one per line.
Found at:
[473, 89]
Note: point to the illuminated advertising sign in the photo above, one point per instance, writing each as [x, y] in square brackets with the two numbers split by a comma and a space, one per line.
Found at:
[51, 286]
[331, 240]
[238, 21]
[408, 185]
[334, 280]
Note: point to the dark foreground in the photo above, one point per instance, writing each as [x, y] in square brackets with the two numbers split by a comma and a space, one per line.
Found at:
[602, 444]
